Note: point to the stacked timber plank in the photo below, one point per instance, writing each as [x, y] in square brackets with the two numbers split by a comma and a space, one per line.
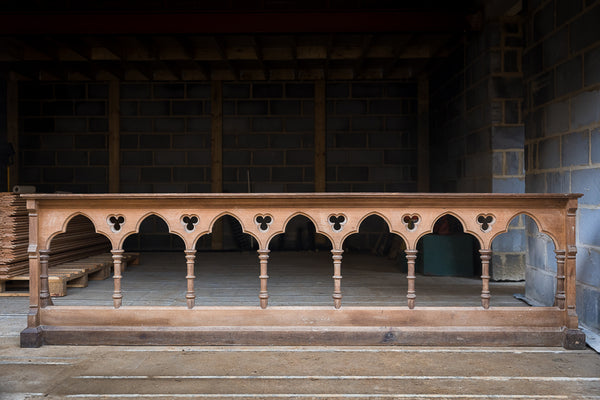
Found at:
[14, 235]
[70, 274]
[78, 242]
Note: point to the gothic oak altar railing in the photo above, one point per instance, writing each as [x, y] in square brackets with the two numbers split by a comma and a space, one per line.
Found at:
[335, 215]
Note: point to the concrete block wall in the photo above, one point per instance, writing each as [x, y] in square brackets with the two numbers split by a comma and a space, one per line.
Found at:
[63, 136]
[478, 130]
[461, 158]
[562, 76]
[268, 132]
[510, 252]
[477, 127]
[165, 137]
[371, 136]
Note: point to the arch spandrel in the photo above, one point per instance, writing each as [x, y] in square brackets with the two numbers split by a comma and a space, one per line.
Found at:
[319, 217]
[390, 218]
[338, 224]
[549, 223]
[466, 217]
[243, 217]
[51, 226]
[281, 219]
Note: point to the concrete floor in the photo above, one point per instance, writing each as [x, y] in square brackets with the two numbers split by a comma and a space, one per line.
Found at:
[275, 372]
[295, 278]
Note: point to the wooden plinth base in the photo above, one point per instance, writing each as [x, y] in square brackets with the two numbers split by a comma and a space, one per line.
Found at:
[362, 326]
[295, 336]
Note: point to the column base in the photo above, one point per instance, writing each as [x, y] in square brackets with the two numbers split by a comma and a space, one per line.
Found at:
[574, 339]
[32, 337]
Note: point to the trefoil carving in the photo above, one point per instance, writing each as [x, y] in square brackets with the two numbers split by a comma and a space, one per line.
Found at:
[411, 221]
[115, 222]
[263, 222]
[486, 221]
[189, 222]
[337, 222]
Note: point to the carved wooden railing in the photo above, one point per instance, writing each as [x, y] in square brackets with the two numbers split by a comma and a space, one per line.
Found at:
[335, 215]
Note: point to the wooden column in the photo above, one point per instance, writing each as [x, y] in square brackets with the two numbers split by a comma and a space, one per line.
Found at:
[263, 255]
[559, 299]
[45, 299]
[12, 131]
[485, 256]
[411, 256]
[190, 295]
[423, 141]
[114, 142]
[33, 316]
[570, 265]
[216, 151]
[320, 137]
[337, 277]
[117, 296]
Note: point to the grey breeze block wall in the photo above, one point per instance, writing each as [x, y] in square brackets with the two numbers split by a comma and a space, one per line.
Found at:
[562, 78]
[268, 130]
[268, 137]
[63, 129]
[371, 136]
[477, 131]
[165, 137]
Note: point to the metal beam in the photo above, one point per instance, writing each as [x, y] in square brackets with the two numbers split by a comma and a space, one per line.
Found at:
[233, 22]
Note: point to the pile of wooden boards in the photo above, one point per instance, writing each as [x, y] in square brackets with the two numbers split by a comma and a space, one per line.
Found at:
[79, 241]
[14, 235]
[69, 274]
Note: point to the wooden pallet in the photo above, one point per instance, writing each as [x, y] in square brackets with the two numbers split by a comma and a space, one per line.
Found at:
[70, 274]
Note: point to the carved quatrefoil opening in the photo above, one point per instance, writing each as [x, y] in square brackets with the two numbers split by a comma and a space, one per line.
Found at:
[263, 222]
[337, 222]
[189, 222]
[115, 222]
[486, 221]
[411, 221]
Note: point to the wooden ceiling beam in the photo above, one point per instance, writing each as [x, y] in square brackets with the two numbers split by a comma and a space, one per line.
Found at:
[189, 49]
[294, 52]
[445, 49]
[113, 68]
[258, 49]
[328, 51]
[150, 45]
[359, 65]
[222, 49]
[41, 46]
[398, 54]
[74, 44]
[114, 46]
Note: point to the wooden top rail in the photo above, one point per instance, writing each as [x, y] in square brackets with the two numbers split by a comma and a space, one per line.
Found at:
[549, 211]
[335, 215]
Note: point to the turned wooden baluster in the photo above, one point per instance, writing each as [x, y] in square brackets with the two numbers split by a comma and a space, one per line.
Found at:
[411, 256]
[45, 299]
[263, 255]
[337, 277]
[190, 256]
[485, 256]
[560, 279]
[117, 296]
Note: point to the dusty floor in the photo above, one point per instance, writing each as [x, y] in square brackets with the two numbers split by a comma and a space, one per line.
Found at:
[295, 278]
[270, 372]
